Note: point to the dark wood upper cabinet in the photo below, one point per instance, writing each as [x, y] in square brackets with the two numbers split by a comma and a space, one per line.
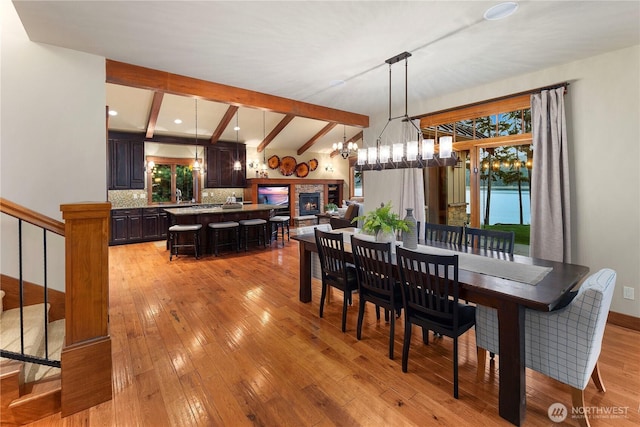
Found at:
[126, 161]
[137, 164]
[220, 160]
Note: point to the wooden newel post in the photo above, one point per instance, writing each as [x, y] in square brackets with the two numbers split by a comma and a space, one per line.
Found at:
[86, 355]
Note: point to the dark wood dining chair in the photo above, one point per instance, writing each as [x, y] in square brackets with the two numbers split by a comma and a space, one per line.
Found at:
[451, 234]
[430, 287]
[377, 283]
[335, 270]
[495, 240]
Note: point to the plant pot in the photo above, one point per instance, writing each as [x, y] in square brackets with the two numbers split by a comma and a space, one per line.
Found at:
[383, 237]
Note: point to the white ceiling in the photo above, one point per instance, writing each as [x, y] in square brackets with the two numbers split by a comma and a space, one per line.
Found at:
[298, 50]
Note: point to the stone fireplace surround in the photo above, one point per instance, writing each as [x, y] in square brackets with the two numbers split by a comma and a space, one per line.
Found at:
[296, 186]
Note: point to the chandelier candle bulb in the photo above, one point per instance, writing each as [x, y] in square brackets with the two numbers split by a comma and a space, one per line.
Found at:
[412, 150]
[446, 146]
[427, 149]
[362, 156]
[398, 151]
[385, 153]
[372, 155]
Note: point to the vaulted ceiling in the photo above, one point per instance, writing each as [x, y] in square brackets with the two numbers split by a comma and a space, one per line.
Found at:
[297, 71]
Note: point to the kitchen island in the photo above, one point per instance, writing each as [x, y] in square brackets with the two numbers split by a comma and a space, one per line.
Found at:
[205, 214]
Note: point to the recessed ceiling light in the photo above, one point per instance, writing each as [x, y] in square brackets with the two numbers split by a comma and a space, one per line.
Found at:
[113, 113]
[500, 11]
[177, 121]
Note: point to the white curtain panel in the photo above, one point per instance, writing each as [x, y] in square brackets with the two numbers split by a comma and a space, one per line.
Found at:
[413, 194]
[550, 201]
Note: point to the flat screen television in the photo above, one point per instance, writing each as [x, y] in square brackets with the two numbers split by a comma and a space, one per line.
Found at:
[274, 195]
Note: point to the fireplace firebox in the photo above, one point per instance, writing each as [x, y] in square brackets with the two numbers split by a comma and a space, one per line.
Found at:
[309, 203]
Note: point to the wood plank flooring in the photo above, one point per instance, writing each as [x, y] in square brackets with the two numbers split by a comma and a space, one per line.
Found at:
[225, 342]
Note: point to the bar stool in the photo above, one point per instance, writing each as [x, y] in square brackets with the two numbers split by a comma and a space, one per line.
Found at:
[245, 224]
[174, 238]
[233, 231]
[279, 223]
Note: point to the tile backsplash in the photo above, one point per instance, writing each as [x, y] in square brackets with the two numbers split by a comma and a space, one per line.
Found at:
[138, 198]
[127, 198]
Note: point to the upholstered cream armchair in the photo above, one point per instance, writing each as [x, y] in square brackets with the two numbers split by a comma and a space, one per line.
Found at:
[563, 344]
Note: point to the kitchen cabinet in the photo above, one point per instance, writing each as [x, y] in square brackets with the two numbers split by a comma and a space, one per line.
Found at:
[126, 164]
[150, 223]
[163, 224]
[220, 160]
[138, 225]
[126, 225]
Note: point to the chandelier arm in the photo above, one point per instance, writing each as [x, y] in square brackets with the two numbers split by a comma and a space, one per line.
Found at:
[389, 94]
[406, 84]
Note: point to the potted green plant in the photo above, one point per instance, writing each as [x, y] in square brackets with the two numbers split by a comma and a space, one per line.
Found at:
[382, 223]
[331, 207]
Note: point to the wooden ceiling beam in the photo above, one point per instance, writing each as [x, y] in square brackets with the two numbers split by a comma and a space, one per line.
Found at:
[147, 78]
[224, 122]
[317, 136]
[153, 114]
[276, 130]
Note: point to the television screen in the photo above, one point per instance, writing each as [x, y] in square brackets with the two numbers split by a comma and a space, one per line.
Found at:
[274, 195]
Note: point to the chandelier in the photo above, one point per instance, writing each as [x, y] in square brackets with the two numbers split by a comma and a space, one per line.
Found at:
[345, 149]
[409, 154]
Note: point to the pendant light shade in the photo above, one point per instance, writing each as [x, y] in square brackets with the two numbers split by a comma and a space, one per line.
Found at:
[237, 166]
[385, 153]
[412, 150]
[428, 149]
[196, 163]
[446, 146]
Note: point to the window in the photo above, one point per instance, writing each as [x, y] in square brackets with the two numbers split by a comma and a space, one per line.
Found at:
[171, 180]
[493, 140]
[356, 188]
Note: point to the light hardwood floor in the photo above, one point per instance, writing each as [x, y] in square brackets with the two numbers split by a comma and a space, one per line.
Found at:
[225, 341]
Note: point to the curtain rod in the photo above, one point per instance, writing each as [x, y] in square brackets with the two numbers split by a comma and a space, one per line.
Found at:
[500, 98]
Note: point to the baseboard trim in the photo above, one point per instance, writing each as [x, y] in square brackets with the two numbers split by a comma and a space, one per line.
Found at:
[624, 320]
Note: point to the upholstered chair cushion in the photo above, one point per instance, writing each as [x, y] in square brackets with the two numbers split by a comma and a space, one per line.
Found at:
[563, 344]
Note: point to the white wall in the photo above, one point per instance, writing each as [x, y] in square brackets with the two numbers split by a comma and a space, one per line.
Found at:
[603, 107]
[53, 122]
[52, 134]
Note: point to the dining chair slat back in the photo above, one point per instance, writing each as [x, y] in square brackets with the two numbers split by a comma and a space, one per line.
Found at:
[451, 234]
[377, 283]
[335, 271]
[430, 289]
[494, 240]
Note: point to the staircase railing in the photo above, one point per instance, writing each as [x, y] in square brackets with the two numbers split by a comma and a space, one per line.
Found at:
[86, 353]
[46, 225]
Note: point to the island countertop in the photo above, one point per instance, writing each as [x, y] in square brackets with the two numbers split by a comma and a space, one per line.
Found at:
[208, 209]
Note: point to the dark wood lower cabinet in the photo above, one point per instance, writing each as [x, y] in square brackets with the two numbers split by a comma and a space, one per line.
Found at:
[138, 225]
[119, 229]
[150, 223]
[163, 224]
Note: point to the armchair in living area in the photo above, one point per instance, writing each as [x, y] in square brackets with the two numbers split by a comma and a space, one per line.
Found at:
[353, 210]
[563, 344]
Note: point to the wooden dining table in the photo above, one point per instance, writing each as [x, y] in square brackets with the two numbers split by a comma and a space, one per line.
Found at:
[510, 297]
